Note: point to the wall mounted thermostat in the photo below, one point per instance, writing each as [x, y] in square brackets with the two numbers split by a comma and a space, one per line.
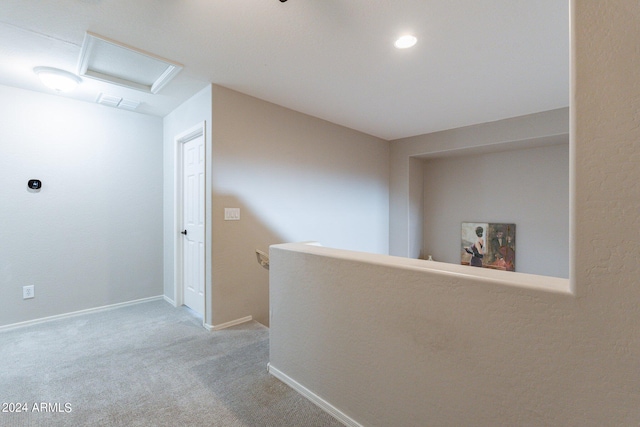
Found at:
[34, 184]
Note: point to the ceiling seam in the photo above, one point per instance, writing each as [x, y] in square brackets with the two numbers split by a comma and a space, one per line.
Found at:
[27, 30]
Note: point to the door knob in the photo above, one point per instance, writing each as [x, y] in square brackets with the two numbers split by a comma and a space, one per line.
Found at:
[184, 232]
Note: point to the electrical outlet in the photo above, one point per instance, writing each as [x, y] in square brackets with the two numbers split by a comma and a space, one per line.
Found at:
[28, 292]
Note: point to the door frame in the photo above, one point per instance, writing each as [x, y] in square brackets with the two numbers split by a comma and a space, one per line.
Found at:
[178, 247]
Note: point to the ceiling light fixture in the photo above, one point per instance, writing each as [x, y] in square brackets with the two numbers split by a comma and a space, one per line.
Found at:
[58, 80]
[405, 42]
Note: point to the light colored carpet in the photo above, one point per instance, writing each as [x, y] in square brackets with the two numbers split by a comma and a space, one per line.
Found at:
[148, 364]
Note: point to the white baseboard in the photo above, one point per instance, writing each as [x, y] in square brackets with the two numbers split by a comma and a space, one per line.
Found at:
[78, 313]
[228, 324]
[169, 300]
[319, 401]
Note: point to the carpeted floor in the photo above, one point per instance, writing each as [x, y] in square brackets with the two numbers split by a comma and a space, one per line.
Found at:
[148, 364]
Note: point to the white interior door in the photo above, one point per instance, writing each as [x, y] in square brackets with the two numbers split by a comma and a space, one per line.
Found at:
[193, 223]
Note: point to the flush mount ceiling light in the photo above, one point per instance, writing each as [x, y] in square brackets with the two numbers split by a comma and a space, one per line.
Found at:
[405, 42]
[58, 80]
[112, 62]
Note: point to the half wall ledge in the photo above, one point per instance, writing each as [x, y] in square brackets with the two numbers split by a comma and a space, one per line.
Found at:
[452, 271]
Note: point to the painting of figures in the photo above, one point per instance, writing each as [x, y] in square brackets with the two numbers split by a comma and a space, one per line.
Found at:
[489, 245]
[474, 245]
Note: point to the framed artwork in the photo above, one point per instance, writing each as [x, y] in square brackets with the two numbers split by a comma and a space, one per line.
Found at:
[488, 245]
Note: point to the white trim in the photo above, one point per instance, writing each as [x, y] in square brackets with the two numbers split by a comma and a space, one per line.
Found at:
[186, 136]
[228, 324]
[91, 44]
[169, 300]
[319, 401]
[80, 313]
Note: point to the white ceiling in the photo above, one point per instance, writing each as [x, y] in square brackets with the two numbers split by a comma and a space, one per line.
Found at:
[475, 61]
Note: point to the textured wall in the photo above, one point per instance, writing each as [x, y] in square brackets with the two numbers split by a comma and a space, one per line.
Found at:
[405, 217]
[193, 112]
[606, 207]
[92, 236]
[401, 342]
[527, 187]
[399, 345]
[294, 178]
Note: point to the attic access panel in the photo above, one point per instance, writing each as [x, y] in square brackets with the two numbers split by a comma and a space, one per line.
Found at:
[112, 62]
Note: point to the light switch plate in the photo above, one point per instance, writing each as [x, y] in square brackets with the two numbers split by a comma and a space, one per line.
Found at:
[232, 214]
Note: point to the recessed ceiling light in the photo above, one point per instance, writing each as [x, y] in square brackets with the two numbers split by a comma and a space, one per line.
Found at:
[58, 80]
[405, 42]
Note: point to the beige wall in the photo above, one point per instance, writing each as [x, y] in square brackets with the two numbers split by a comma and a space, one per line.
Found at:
[294, 178]
[406, 179]
[394, 341]
[529, 188]
[411, 344]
